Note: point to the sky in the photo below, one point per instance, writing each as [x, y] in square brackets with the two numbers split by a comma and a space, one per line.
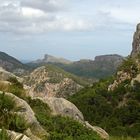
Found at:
[73, 29]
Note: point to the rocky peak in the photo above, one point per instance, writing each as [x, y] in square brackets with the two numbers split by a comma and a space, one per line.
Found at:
[52, 59]
[111, 57]
[136, 42]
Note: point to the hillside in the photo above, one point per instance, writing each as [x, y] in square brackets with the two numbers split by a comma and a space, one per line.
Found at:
[52, 81]
[114, 103]
[11, 64]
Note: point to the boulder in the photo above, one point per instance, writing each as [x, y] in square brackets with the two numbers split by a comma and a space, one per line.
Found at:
[61, 106]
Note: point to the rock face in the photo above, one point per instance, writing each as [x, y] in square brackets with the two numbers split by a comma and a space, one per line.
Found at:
[112, 58]
[46, 82]
[136, 42]
[61, 106]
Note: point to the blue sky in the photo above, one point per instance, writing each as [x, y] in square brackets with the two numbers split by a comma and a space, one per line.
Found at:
[74, 29]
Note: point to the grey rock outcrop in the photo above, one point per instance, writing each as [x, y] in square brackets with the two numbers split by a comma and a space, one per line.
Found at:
[136, 42]
[61, 106]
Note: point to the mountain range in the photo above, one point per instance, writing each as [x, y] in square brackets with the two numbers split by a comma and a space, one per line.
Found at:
[103, 66]
[48, 103]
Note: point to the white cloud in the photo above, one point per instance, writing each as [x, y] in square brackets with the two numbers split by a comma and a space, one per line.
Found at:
[45, 5]
[123, 15]
[30, 12]
[41, 16]
[37, 16]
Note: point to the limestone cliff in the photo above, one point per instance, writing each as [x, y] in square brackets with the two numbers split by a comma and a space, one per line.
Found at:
[136, 42]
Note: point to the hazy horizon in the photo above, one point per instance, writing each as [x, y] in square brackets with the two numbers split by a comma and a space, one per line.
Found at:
[72, 29]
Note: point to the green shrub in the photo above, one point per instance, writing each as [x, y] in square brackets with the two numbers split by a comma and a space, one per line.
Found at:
[6, 106]
[4, 135]
[18, 124]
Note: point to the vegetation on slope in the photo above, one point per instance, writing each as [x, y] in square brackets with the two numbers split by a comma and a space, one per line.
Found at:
[60, 128]
[117, 111]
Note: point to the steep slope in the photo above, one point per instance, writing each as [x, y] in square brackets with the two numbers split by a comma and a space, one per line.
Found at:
[103, 66]
[10, 63]
[51, 81]
[114, 104]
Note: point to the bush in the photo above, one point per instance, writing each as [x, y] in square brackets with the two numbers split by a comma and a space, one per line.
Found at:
[6, 106]
[18, 124]
[4, 135]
